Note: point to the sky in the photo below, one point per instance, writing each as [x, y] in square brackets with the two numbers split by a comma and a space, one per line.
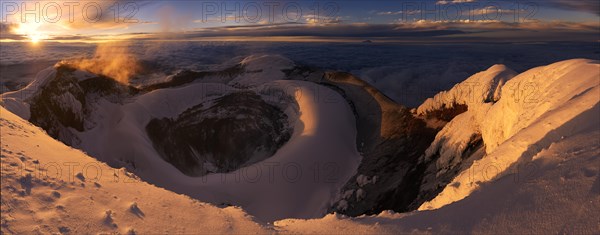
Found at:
[306, 20]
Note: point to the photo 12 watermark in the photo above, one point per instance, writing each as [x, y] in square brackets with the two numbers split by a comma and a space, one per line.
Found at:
[268, 11]
[69, 11]
[465, 11]
[251, 12]
[268, 172]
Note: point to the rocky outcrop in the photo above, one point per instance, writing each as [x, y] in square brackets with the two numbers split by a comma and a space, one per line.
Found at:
[61, 105]
[391, 140]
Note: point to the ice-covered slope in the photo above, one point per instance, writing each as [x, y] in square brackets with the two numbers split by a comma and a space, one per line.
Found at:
[483, 87]
[459, 141]
[48, 187]
[536, 108]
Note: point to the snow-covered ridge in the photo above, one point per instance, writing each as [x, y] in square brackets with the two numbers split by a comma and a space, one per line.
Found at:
[536, 108]
[459, 141]
[261, 69]
[13, 101]
[483, 87]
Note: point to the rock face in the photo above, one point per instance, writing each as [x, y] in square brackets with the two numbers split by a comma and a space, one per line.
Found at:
[65, 100]
[220, 136]
[59, 105]
[391, 140]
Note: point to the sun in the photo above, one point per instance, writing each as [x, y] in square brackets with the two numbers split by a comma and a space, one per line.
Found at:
[31, 32]
[35, 38]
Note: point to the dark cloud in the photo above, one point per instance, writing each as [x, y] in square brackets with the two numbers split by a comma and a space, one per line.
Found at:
[72, 38]
[6, 32]
[6, 28]
[332, 30]
[592, 6]
[422, 30]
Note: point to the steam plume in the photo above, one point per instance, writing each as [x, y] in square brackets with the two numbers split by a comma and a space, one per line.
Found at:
[112, 60]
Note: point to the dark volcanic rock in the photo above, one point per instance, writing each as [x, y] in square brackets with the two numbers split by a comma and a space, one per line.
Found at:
[392, 141]
[59, 104]
[437, 176]
[446, 114]
[221, 136]
[64, 102]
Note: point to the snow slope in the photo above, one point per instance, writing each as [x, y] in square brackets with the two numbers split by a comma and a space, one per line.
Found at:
[48, 187]
[537, 107]
[483, 87]
[262, 69]
[458, 142]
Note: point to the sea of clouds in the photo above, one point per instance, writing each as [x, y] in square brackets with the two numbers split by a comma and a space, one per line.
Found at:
[407, 73]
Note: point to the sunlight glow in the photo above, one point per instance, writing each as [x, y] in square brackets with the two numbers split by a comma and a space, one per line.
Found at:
[35, 38]
[31, 32]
